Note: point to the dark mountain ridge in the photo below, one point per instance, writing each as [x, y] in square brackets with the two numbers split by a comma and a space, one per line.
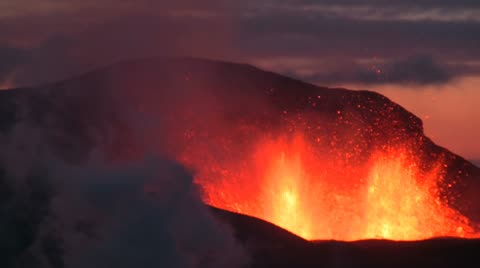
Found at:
[271, 246]
[147, 106]
[102, 107]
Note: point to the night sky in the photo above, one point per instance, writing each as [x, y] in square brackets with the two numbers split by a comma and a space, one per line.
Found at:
[423, 54]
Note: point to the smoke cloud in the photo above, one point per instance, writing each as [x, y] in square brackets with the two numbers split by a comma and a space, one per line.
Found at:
[97, 214]
[58, 47]
[146, 215]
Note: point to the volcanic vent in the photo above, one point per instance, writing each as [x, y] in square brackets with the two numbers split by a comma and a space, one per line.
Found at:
[345, 186]
[322, 163]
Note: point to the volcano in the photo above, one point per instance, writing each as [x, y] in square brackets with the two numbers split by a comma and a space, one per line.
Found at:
[321, 163]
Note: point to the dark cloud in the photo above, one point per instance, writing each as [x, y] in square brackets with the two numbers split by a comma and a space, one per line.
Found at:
[10, 58]
[416, 3]
[420, 69]
[62, 39]
[64, 55]
[288, 34]
[80, 36]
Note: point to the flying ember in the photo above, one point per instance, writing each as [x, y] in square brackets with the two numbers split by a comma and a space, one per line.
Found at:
[284, 180]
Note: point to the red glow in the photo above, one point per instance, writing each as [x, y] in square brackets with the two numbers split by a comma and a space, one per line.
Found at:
[285, 181]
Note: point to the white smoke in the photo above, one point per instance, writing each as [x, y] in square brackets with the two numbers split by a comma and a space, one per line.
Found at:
[141, 214]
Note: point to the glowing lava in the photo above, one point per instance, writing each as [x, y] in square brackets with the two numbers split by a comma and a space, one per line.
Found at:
[283, 194]
[287, 182]
[404, 204]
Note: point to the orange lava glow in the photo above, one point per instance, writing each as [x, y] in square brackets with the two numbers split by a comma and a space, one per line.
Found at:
[287, 182]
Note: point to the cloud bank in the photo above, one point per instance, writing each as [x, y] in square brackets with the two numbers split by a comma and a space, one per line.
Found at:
[53, 40]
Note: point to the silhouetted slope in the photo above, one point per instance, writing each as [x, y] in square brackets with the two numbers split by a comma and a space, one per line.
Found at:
[98, 108]
[271, 246]
[132, 108]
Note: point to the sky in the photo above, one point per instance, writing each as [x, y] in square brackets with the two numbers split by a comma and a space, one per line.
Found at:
[423, 54]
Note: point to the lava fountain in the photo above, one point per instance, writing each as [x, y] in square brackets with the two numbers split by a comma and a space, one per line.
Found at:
[286, 182]
[323, 164]
[403, 203]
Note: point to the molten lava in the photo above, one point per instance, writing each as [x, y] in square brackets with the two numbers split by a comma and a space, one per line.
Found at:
[286, 182]
[402, 203]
